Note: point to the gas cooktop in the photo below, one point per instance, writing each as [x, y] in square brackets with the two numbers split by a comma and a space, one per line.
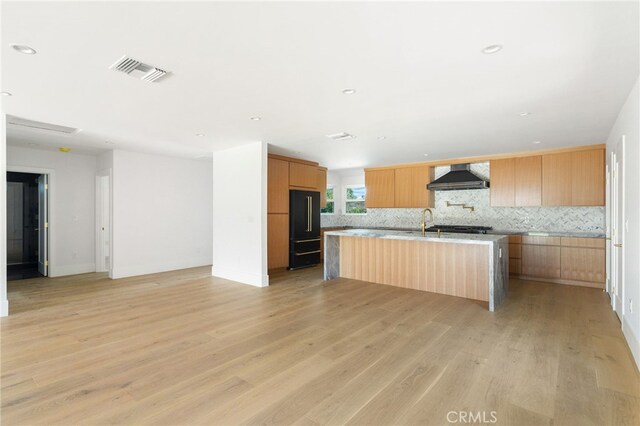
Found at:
[460, 229]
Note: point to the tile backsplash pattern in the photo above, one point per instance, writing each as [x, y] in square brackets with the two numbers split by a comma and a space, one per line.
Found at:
[549, 219]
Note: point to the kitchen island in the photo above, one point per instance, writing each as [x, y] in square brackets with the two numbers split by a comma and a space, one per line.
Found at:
[474, 266]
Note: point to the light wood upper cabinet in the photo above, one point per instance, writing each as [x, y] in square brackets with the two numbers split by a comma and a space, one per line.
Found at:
[277, 186]
[573, 178]
[411, 187]
[322, 186]
[516, 181]
[556, 179]
[528, 181]
[303, 175]
[503, 182]
[380, 186]
[587, 178]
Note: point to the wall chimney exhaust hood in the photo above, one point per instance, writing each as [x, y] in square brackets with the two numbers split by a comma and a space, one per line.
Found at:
[460, 177]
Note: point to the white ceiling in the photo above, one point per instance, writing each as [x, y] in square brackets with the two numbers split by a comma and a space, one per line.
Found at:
[420, 76]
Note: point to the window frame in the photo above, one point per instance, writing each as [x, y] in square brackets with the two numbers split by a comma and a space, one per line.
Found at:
[345, 200]
[333, 200]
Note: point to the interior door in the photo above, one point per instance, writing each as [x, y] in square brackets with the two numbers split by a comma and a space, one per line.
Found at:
[617, 223]
[43, 225]
[103, 258]
[14, 223]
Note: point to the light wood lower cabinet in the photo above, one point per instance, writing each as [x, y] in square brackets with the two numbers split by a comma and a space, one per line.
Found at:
[541, 261]
[583, 264]
[565, 260]
[515, 266]
[277, 241]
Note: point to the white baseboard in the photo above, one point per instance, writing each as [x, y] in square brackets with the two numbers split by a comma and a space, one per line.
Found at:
[4, 308]
[256, 280]
[62, 271]
[136, 270]
[632, 341]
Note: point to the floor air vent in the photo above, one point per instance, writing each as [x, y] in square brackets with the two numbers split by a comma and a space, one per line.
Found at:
[138, 69]
[39, 125]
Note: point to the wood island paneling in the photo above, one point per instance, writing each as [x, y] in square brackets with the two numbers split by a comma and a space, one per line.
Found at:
[448, 268]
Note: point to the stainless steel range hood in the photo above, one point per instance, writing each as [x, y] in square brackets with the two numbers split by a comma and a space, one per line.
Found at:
[460, 177]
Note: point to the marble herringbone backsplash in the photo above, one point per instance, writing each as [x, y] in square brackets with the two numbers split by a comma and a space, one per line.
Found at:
[549, 219]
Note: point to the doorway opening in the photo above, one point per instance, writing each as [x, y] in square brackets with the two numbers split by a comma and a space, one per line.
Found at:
[27, 225]
[103, 222]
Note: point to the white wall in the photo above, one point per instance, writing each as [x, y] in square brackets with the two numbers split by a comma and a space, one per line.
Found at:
[4, 302]
[162, 208]
[340, 178]
[240, 214]
[628, 124]
[71, 208]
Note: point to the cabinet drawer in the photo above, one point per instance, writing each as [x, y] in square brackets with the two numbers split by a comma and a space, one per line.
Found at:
[583, 242]
[540, 241]
[515, 251]
[515, 266]
[515, 239]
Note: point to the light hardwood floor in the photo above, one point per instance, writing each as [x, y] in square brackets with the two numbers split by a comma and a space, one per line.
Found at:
[185, 348]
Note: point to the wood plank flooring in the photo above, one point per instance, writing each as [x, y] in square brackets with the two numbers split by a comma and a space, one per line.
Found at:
[183, 348]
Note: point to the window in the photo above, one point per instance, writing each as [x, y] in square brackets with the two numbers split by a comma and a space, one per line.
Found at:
[330, 209]
[354, 199]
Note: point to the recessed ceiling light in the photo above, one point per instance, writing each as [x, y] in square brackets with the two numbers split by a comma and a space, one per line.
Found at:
[64, 149]
[199, 135]
[381, 138]
[24, 49]
[494, 48]
[256, 118]
[524, 113]
[5, 94]
[426, 155]
[348, 91]
[535, 142]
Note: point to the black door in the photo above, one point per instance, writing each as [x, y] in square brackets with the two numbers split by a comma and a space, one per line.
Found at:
[304, 228]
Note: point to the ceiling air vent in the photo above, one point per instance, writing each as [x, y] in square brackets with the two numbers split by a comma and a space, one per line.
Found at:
[138, 69]
[30, 124]
[342, 136]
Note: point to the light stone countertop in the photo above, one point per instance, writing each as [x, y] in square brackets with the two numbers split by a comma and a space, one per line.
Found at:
[551, 234]
[417, 236]
[491, 232]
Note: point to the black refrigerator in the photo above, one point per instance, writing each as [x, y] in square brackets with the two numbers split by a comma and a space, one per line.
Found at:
[304, 228]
